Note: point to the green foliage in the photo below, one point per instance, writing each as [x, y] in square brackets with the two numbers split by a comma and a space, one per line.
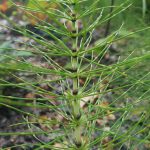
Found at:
[81, 105]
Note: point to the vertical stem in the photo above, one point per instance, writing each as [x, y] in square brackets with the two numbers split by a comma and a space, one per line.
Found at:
[77, 131]
[109, 21]
[76, 101]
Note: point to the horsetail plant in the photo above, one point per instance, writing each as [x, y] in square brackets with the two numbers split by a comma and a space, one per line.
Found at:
[79, 85]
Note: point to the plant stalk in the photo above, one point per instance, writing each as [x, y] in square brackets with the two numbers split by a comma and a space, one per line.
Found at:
[75, 102]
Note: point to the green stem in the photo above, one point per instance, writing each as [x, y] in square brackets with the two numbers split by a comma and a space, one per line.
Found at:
[76, 110]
